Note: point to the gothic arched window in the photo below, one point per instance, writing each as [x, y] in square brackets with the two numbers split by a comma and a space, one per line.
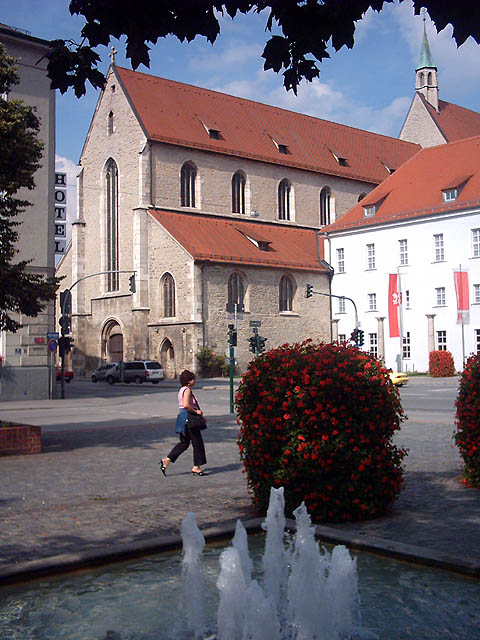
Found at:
[188, 175]
[236, 293]
[285, 294]
[238, 192]
[325, 206]
[284, 189]
[111, 225]
[168, 296]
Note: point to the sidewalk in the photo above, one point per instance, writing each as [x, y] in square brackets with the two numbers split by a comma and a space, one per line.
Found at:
[97, 491]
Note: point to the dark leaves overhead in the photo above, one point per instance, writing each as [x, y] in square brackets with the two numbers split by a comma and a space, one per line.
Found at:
[302, 30]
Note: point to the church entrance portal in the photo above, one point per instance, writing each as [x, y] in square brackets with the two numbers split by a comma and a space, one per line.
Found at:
[167, 359]
[112, 342]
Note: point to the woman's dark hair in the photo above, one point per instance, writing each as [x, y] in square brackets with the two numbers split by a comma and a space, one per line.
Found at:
[185, 377]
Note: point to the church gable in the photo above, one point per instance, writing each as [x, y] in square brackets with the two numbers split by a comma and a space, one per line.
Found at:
[420, 126]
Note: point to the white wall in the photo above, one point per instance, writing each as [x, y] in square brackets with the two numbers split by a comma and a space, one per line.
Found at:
[420, 277]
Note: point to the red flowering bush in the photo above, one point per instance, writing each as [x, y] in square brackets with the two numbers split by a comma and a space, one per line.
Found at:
[440, 364]
[467, 435]
[319, 420]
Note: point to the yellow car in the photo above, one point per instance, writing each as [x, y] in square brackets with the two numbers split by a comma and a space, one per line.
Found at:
[398, 378]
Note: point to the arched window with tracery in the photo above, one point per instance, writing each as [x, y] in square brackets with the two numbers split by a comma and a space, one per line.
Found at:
[111, 225]
[238, 192]
[284, 193]
[236, 293]
[188, 176]
[285, 294]
[325, 205]
[168, 296]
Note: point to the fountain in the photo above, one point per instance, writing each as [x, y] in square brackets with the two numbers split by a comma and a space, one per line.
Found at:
[307, 594]
[275, 587]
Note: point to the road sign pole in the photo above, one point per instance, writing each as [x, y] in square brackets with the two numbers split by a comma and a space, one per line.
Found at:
[232, 362]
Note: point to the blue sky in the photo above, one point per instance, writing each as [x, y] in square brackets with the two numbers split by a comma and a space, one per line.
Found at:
[370, 86]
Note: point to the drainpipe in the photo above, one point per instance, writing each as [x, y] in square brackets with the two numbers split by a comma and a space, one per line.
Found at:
[204, 305]
[330, 272]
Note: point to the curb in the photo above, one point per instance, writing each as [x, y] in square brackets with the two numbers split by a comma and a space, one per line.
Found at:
[68, 562]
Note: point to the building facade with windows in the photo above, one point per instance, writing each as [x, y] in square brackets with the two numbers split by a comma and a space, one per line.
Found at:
[409, 257]
[215, 203]
[25, 362]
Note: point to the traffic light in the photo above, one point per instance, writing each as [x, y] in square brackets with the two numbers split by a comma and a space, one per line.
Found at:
[361, 337]
[234, 338]
[66, 302]
[233, 333]
[261, 344]
[65, 344]
[131, 283]
[253, 344]
[309, 291]
[65, 323]
[354, 336]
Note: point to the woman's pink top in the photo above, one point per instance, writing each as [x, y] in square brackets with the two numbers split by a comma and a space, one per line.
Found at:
[180, 399]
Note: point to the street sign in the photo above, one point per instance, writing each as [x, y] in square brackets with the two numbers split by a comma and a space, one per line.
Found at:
[52, 345]
[255, 323]
[52, 335]
[39, 340]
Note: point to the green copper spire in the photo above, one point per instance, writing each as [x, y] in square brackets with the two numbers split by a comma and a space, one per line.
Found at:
[426, 60]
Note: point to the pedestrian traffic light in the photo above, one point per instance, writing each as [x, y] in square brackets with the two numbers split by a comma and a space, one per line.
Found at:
[234, 338]
[65, 323]
[69, 344]
[309, 291]
[261, 344]
[361, 337]
[131, 283]
[253, 344]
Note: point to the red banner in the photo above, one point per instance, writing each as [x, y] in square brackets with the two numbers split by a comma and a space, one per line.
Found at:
[393, 304]
[460, 278]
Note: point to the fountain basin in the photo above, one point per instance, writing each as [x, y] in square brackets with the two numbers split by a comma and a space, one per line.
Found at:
[139, 600]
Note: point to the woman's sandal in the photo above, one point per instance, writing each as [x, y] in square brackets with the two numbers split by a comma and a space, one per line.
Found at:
[163, 468]
[199, 473]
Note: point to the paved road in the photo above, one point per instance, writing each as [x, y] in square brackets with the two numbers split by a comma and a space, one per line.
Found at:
[98, 482]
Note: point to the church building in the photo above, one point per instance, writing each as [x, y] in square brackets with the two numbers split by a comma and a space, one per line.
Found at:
[214, 203]
[431, 121]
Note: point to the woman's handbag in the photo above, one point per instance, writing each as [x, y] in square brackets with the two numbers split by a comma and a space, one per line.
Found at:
[194, 421]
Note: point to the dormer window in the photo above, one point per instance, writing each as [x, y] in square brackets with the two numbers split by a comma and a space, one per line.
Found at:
[450, 194]
[370, 210]
[261, 243]
[213, 130]
[282, 146]
[452, 190]
[340, 158]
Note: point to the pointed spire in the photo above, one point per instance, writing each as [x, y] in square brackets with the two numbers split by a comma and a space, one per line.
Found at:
[426, 60]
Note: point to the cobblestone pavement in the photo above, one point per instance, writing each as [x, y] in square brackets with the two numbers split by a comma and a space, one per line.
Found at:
[101, 485]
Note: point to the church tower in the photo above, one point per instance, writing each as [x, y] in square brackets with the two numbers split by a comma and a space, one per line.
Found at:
[426, 80]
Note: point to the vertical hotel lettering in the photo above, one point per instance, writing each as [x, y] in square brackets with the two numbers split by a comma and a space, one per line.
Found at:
[60, 213]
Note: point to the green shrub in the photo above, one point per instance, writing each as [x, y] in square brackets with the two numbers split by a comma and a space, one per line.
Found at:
[440, 364]
[211, 365]
[319, 420]
[467, 434]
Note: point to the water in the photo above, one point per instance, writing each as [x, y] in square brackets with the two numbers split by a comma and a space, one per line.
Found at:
[242, 593]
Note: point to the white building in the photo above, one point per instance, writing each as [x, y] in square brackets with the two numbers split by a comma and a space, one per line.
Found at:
[423, 224]
[26, 371]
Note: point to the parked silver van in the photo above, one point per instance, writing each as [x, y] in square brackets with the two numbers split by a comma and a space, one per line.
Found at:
[139, 371]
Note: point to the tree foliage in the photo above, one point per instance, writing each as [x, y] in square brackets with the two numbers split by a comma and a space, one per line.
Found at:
[305, 30]
[20, 291]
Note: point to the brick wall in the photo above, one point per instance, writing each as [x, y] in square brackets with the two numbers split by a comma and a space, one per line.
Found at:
[20, 440]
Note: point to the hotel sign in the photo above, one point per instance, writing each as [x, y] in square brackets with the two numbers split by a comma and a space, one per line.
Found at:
[60, 213]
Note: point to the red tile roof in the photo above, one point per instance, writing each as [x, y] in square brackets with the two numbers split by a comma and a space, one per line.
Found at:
[456, 123]
[225, 240]
[177, 113]
[415, 190]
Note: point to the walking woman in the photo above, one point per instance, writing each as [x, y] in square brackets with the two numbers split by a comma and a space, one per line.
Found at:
[187, 403]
